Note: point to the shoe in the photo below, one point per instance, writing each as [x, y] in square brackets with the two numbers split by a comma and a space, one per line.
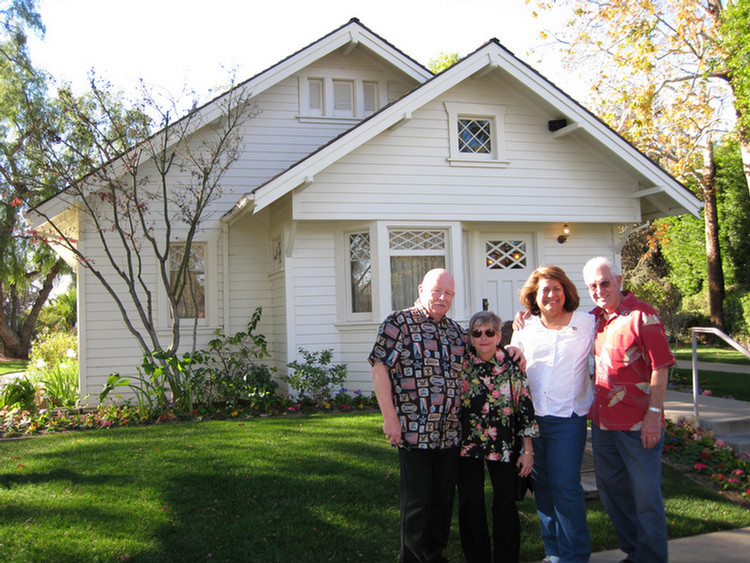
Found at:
[551, 559]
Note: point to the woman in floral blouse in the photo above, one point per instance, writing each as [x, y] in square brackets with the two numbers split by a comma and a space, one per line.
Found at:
[493, 389]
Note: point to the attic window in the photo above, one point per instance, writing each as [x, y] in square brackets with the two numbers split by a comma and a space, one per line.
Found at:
[476, 133]
[328, 98]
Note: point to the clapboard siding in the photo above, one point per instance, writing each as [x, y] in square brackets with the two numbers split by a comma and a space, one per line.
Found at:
[546, 178]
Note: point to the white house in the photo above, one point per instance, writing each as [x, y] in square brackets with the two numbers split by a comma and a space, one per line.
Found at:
[362, 170]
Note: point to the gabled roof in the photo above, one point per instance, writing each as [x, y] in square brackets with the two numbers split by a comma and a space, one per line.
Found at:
[347, 37]
[662, 195]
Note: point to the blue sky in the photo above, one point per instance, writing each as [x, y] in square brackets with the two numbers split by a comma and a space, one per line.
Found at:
[170, 43]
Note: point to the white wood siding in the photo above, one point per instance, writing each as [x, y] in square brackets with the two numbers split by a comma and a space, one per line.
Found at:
[403, 173]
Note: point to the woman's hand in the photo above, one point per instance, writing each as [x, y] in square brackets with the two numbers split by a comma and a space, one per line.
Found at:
[525, 463]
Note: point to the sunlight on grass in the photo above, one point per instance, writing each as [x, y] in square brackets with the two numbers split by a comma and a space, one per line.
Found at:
[309, 488]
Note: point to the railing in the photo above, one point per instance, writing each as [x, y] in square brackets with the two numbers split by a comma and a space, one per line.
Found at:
[715, 331]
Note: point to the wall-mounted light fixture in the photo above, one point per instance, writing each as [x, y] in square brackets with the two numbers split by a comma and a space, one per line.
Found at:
[562, 239]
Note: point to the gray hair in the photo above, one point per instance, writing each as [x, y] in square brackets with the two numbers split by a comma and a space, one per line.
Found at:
[589, 270]
[485, 318]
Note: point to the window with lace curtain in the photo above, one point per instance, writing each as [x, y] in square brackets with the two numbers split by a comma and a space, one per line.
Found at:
[413, 252]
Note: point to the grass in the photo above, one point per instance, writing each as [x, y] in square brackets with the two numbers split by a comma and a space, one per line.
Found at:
[736, 385]
[711, 354]
[315, 488]
[12, 366]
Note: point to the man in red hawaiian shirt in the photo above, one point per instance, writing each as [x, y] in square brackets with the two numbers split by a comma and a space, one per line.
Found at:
[632, 366]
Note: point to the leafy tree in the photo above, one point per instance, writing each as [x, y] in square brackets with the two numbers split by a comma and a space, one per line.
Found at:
[27, 271]
[663, 78]
[443, 61]
[143, 197]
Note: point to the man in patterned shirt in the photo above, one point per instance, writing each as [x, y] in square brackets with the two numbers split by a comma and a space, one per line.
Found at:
[632, 365]
[416, 369]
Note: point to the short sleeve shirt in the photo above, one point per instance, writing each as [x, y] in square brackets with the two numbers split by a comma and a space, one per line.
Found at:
[424, 359]
[630, 344]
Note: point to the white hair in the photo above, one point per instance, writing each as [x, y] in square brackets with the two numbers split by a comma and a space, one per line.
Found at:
[589, 270]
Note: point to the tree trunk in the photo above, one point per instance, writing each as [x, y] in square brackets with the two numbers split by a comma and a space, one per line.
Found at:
[713, 251]
[16, 341]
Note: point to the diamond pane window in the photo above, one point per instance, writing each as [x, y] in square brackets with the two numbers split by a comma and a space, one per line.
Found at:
[361, 272]
[505, 254]
[429, 241]
[192, 302]
[474, 136]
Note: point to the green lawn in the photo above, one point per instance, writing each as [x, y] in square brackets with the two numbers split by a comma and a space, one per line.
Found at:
[11, 366]
[736, 385]
[711, 354]
[314, 488]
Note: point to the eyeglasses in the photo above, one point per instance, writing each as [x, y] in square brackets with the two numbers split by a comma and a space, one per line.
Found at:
[441, 293]
[489, 332]
[601, 285]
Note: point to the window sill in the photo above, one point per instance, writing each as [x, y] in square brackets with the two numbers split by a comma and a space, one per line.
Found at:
[477, 163]
[328, 119]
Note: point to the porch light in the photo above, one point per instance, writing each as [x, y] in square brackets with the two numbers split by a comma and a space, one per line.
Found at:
[562, 239]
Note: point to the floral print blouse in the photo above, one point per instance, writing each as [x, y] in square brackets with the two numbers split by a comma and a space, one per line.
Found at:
[487, 407]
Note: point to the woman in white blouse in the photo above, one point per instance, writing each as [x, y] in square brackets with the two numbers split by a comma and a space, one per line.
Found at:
[557, 342]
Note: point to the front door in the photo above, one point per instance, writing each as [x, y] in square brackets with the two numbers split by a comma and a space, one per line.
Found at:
[507, 262]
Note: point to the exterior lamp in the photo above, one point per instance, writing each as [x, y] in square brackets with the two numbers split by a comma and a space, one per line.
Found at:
[562, 239]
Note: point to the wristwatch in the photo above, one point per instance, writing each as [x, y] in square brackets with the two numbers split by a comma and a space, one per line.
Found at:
[654, 409]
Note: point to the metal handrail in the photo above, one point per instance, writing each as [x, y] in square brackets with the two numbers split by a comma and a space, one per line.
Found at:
[715, 331]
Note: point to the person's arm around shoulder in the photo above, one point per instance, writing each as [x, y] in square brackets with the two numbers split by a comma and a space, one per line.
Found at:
[381, 381]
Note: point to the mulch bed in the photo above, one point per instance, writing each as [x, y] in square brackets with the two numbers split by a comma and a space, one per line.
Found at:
[705, 480]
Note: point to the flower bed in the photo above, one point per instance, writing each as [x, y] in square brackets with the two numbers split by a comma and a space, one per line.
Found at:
[709, 458]
[15, 422]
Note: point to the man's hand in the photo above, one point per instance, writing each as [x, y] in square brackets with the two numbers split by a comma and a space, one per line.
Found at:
[651, 429]
[392, 429]
[516, 355]
[520, 319]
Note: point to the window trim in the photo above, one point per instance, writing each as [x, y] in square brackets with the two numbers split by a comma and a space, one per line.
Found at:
[495, 114]
[380, 255]
[211, 290]
[327, 113]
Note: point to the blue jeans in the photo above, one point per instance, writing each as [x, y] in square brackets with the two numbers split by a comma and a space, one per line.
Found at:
[628, 477]
[560, 501]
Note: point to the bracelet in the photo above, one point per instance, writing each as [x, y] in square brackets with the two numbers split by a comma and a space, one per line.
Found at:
[654, 409]
[525, 452]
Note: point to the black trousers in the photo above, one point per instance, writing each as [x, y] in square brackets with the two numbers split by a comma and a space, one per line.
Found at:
[428, 484]
[472, 514]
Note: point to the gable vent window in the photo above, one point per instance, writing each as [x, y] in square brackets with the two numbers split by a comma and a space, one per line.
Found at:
[505, 254]
[476, 135]
[315, 86]
[343, 98]
[346, 98]
[371, 97]
[412, 253]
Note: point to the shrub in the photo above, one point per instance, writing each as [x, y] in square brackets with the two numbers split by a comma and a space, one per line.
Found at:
[20, 393]
[229, 370]
[54, 364]
[316, 378]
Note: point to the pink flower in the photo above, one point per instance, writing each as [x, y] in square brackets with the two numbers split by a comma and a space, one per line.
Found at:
[707, 392]
[719, 443]
[733, 480]
[700, 466]
[737, 472]
[496, 393]
[491, 433]
[506, 411]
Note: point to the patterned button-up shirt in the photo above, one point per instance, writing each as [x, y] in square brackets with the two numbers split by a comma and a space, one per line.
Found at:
[424, 359]
[630, 345]
[496, 407]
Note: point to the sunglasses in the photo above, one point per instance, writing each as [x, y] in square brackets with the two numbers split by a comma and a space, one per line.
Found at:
[490, 332]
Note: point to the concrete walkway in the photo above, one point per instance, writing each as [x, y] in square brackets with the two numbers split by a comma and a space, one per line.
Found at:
[722, 415]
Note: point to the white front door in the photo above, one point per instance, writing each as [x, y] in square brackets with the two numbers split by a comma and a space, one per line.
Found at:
[507, 261]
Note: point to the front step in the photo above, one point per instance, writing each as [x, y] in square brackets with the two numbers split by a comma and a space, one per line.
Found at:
[739, 442]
